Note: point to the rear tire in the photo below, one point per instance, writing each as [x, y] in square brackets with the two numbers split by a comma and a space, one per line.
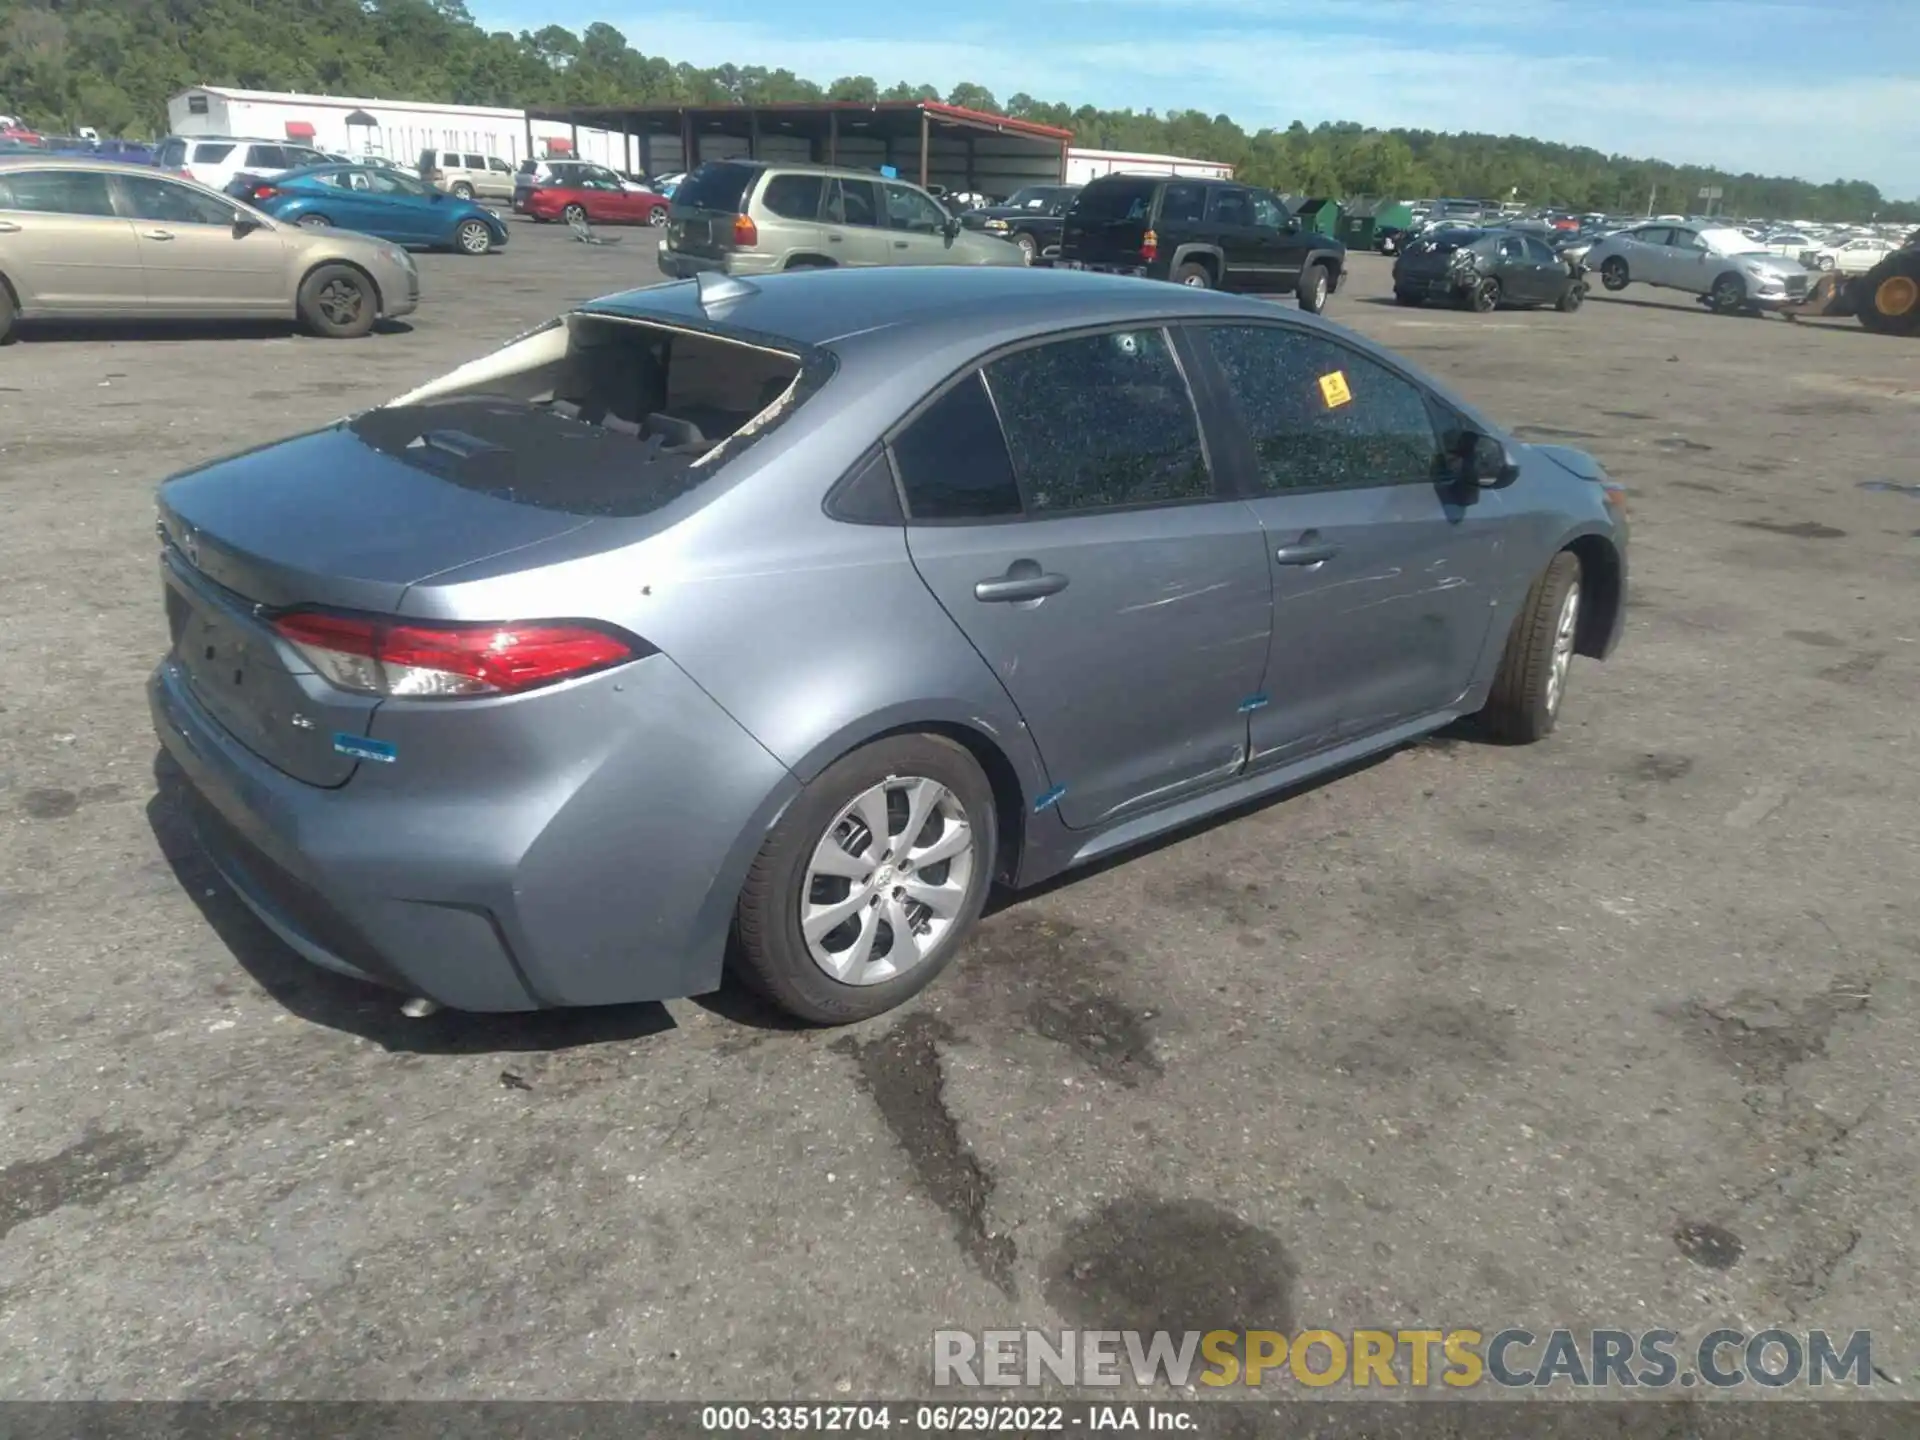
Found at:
[1530, 686]
[9, 315]
[1613, 274]
[772, 952]
[1409, 297]
[1316, 284]
[339, 302]
[473, 238]
[1484, 297]
[574, 214]
[1197, 276]
[657, 216]
[462, 191]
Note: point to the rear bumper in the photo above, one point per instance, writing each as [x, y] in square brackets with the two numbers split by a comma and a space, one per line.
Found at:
[589, 854]
[678, 265]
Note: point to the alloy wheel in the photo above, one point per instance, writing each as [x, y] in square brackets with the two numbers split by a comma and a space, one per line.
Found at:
[474, 238]
[574, 214]
[340, 300]
[315, 222]
[1564, 631]
[1319, 287]
[887, 880]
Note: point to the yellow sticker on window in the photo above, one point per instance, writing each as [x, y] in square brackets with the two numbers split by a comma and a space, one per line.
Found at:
[1333, 389]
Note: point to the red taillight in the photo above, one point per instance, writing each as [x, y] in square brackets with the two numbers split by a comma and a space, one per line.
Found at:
[264, 192]
[1149, 246]
[382, 657]
[745, 233]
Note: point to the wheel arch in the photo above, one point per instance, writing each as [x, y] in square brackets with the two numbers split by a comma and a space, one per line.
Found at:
[6, 284]
[1603, 578]
[808, 260]
[1212, 257]
[1334, 260]
[998, 744]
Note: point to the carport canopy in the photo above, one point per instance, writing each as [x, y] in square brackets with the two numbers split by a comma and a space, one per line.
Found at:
[936, 144]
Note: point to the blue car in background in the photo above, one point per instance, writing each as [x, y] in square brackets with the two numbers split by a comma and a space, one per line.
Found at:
[374, 200]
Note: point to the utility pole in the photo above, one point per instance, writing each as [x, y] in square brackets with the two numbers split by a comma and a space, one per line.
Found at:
[1652, 192]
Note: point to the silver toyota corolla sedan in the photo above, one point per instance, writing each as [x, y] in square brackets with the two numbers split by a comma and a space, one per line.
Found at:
[771, 622]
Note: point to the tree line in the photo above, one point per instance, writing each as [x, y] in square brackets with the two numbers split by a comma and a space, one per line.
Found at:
[112, 64]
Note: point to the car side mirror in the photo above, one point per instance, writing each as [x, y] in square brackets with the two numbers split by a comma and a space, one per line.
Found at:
[950, 227]
[1489, 463]
[245, 224]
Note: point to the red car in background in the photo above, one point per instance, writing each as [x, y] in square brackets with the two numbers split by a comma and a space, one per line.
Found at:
[599, 201]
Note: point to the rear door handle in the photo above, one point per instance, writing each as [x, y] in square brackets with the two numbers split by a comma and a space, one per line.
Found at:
[1024, 580]
[1309, 549]
[833, 239]
[158, 234]
[899, 244]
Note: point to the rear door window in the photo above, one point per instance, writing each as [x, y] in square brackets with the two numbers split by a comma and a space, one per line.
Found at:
[211, 152]
[499, 167]
[855, 202]
[1540, 252]
[953, 461]
[57, 192]
[1232, 207]
[794, 197]
[268, 157]
[1099, 422]
[476, 162]
[717, 185]
[1182, 203]
[173, 154]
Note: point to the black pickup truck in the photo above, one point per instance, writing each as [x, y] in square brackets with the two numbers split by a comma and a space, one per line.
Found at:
[1031, 217]
[1215, 233]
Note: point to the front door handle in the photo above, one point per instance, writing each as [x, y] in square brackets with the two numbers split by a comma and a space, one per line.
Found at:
[1024, 580]
[899, 244]
[833, 239]
[158, 234]
[1309, 549]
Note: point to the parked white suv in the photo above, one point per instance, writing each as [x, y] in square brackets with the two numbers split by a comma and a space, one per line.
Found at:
[468, 174]
[1722, 266]
[213, 160]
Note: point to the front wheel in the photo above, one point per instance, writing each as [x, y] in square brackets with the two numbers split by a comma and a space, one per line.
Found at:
[9, 315]
[1825, 262]
[574, 214]
[1028, 249]
[657, 216]
[1524, 704]
[870, 883]
[473, 237]
[1409, 297]
[339, 302]
[1484, 297]
[1316, 284]
[1613, 274]
[1574, 298]
[315, 222]
[1728, 295]
[1195, 276]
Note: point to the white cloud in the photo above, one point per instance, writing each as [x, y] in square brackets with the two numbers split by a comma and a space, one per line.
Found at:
[1818, 128]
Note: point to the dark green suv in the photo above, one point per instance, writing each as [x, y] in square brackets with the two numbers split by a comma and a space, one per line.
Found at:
[1212, 233]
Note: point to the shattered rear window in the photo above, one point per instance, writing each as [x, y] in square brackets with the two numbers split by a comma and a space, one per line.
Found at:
[628, 419]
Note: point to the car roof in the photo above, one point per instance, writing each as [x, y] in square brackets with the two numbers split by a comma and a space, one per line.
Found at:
[999, 303]
[47, 160]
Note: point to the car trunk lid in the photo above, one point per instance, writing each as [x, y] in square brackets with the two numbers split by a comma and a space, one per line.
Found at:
[325, 520]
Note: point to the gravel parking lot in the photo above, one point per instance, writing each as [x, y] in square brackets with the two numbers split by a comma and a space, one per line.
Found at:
[1616, 1030]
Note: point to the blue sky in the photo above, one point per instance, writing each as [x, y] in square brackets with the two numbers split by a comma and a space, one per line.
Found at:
[1823, 89]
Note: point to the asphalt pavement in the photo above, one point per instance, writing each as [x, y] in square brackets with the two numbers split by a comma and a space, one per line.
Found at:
[1614, 1030]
